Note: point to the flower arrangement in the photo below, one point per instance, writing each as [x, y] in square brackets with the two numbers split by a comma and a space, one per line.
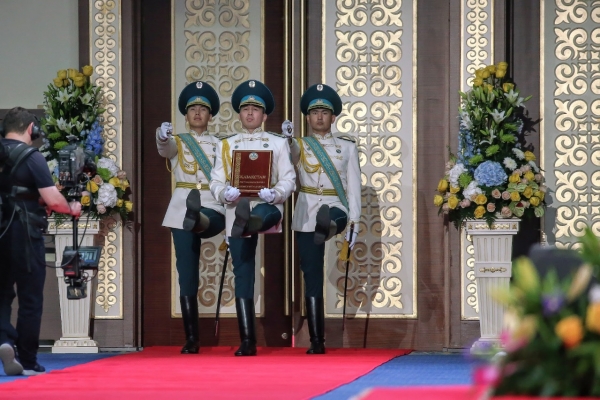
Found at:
[492, 175]
[552, 336]
[73, 112]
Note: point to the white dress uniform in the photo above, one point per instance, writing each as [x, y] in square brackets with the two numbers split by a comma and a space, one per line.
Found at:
[316, 188]
[283, 176]
[187, 175]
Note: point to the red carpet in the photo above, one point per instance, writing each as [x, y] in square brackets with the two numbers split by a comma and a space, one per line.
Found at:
[161, 372]
[440, 393]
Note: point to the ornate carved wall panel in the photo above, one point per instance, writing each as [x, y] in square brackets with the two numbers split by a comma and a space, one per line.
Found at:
[220, 42]
[369, 57]
[570, 111]
[105, 46]
[477, 43]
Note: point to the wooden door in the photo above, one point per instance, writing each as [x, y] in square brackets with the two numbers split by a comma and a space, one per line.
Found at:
[160, 327]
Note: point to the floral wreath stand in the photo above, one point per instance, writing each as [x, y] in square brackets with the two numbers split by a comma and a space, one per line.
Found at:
[75, 315]
[493, 269]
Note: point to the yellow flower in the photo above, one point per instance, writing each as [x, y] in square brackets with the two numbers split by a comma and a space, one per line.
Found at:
[79, 81]
[62, 74]
[528, 192]
[485, 74]
[592, 318]
[438, 200]
[128, 206]
[442, 186]
[514, 178]
[478, 72]
[502, 65]
[529, 175]
[570, 331]
[119, 202]
[489, 87]
[116, 182]
[491, 68]
[535, 201]
[58, 82]
[515, 196]
[454, 189]
[88, 70]
[452, 202]
[525, 275]
[529, 156]
[480, 199]
[66, 82]
[85, 200]
[508, 86]
[539, 193]
[500, 73]
[479, 212]
[92, 187]
[124, 184]
[72, 73]
[580, 282]
[477, 81]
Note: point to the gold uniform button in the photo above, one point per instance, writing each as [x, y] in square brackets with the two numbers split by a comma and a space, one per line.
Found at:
[199, 186]
[319, 192]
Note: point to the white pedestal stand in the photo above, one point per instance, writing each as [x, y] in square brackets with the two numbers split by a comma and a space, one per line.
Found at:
[493, 269]
[75, 315]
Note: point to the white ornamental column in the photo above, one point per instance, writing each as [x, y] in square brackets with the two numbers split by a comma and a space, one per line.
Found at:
[493, 269]
[75, 315]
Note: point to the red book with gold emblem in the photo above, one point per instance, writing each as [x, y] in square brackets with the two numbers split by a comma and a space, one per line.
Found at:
[251, 171]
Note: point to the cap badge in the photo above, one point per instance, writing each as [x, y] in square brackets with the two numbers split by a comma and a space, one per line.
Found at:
[252, 84]
[319, 101]
[319, 87]
[199, 85]
[251, 98]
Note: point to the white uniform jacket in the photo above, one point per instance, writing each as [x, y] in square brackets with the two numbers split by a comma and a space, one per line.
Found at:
[187, 171]
[314, 180]
[283, 176]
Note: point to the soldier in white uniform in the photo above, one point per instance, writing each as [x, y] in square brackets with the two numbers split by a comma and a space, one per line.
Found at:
[193, 213]
[329, 198]
[246, 217]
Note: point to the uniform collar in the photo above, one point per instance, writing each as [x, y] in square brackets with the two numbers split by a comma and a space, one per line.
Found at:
[193, 132]
[257, 130]
[327, 136]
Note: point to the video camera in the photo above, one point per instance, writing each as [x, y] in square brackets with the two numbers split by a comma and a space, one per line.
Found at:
[75, 168]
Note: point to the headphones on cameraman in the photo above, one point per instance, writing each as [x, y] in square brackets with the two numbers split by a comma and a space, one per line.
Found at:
[36, 130]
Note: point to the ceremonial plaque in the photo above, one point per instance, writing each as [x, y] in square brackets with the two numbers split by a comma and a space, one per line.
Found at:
[251, 171]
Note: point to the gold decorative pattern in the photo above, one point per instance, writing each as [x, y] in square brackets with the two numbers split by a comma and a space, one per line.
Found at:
[105, 33]
[570, 47]
[220, 42]
[476, 38]
[476, 50]
[372, 69]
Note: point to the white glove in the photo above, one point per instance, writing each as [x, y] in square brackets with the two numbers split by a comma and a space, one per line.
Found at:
[166, 130]
[267, 195]
[351, 240]
[231, 193]
[287, 128]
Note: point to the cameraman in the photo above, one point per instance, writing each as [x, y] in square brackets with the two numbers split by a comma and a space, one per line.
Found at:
[27, 194]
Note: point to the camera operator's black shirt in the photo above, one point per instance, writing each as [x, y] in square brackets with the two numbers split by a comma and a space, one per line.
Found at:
[33, 172]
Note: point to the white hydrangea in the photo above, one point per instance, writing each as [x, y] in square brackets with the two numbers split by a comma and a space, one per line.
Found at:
[455, 172]
[52, 165]
[109, 165]
[472, 189]
[107, 195]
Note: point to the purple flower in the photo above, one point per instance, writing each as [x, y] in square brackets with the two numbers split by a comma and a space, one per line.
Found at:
[552, 303]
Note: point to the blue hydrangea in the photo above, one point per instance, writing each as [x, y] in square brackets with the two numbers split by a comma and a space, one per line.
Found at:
[94, 141]
[490, 173]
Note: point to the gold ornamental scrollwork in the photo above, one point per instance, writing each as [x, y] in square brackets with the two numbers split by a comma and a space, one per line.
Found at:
[351, 13]
[570, 12]
[200, 13]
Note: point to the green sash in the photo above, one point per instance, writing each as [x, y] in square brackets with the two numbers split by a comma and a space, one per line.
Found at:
[198, 153]
[328, 167]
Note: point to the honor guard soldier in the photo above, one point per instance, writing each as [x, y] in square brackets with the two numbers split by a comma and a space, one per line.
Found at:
[246, 217]
[193, 213]
[330, 196]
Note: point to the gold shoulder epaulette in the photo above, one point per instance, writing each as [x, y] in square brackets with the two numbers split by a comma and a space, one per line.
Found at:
[348, 138]
[222, 136]
[277, 134]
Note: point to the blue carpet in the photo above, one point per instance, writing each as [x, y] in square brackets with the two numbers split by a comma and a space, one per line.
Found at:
[420, 369]
[58, 361]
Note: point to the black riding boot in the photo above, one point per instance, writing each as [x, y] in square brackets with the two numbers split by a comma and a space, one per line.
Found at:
[315, 314]
[246, 323]
[189, 312]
